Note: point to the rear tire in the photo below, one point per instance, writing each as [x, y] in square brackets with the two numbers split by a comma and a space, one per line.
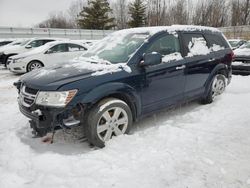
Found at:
[216, 87]
[110, 117]
[33, 65]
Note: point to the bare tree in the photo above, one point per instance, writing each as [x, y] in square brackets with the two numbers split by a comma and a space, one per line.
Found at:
[211, 13]
[177, 13]
[156, 12]
[120, 12]
[240, 12]
[56, 20]
[75, 8]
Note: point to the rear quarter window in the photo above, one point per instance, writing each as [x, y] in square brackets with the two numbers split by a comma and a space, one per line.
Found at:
[195, 44]
[216, 42]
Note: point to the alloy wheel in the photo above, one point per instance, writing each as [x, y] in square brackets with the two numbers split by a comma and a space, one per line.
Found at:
[218, 86]
[113, 122]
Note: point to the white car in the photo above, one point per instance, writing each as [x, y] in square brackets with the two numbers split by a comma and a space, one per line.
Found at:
[47, 55]
[25, 46]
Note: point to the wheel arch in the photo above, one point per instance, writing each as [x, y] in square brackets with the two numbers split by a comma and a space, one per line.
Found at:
[33, 61]
[120, 91]
[219, 69]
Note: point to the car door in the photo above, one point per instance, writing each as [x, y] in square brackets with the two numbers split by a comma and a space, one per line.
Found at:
[163, 83]
[199, 63]
[56, 54]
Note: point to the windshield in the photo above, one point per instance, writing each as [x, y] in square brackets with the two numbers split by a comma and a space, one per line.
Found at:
[117, 47]
[234, 43]
[246, 45]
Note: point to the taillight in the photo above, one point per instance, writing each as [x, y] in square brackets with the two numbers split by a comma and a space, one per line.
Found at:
[232, 56]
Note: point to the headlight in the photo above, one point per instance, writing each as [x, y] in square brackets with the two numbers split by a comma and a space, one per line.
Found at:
[55, 98]
[18, 59]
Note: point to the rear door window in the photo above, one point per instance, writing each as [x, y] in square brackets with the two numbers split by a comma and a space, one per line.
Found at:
[75, 48]
[195, 44]
[59, 48]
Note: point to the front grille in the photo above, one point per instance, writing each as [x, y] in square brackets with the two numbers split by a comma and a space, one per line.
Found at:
[27, 96]
[31, 90]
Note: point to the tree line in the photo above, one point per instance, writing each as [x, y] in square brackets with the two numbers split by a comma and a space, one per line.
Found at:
[120, 14]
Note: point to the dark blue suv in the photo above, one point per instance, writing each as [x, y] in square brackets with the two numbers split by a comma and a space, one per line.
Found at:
[124, 77]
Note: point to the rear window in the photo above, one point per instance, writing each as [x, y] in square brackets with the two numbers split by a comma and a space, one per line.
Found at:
[216, 40]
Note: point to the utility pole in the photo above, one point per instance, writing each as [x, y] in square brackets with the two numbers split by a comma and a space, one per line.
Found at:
[187, 11]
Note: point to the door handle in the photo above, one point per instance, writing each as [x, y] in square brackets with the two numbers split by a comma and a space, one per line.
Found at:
[181, 67]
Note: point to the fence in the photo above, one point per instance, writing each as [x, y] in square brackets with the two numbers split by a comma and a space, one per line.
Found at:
[237, 32]
[15, 32]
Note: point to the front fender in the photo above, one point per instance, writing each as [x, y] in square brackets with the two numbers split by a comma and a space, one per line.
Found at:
[108, 89]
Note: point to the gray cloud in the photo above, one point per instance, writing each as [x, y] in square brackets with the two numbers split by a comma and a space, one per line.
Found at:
[27, 13]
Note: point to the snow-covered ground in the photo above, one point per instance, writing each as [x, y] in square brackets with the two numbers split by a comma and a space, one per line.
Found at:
[192, 146]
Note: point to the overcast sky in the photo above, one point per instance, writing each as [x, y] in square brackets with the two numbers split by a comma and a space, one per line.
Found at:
[27, 13]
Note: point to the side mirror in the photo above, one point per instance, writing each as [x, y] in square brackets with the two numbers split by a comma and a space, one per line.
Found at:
[28, 46]
[150, 59]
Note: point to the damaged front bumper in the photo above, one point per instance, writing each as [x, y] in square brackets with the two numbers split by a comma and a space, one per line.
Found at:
[51, 119]
[47, 119]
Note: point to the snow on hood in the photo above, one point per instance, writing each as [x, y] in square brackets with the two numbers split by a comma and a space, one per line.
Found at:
[240, 63]
[31, 52]
[94, 65]
[97, 65]
[242, 52]
[8, 48]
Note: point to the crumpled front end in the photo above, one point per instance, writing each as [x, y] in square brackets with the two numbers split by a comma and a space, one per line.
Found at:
[46, 119]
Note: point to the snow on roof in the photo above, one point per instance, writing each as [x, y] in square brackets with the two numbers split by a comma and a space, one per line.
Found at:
[170, 29]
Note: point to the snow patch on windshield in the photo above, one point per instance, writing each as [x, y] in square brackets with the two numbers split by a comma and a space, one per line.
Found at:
[42, 72]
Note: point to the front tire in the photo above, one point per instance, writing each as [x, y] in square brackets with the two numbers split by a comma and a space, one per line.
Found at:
[111, 117]
[217, 87]
[33, 65]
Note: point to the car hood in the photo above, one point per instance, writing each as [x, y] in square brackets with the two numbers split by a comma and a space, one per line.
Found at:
[54, 77]
[242, 52]
[6, 48]
[26, 54]
[12, 49]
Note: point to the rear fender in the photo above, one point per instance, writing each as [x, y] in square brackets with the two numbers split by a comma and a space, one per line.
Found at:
[217, 69]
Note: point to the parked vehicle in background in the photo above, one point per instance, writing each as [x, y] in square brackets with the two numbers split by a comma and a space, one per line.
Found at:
[25, 46]
[4, 42]
[16, 42]
[241, 64]
[236, 43]
[87, 43]
[46, 55]
[126, 76]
